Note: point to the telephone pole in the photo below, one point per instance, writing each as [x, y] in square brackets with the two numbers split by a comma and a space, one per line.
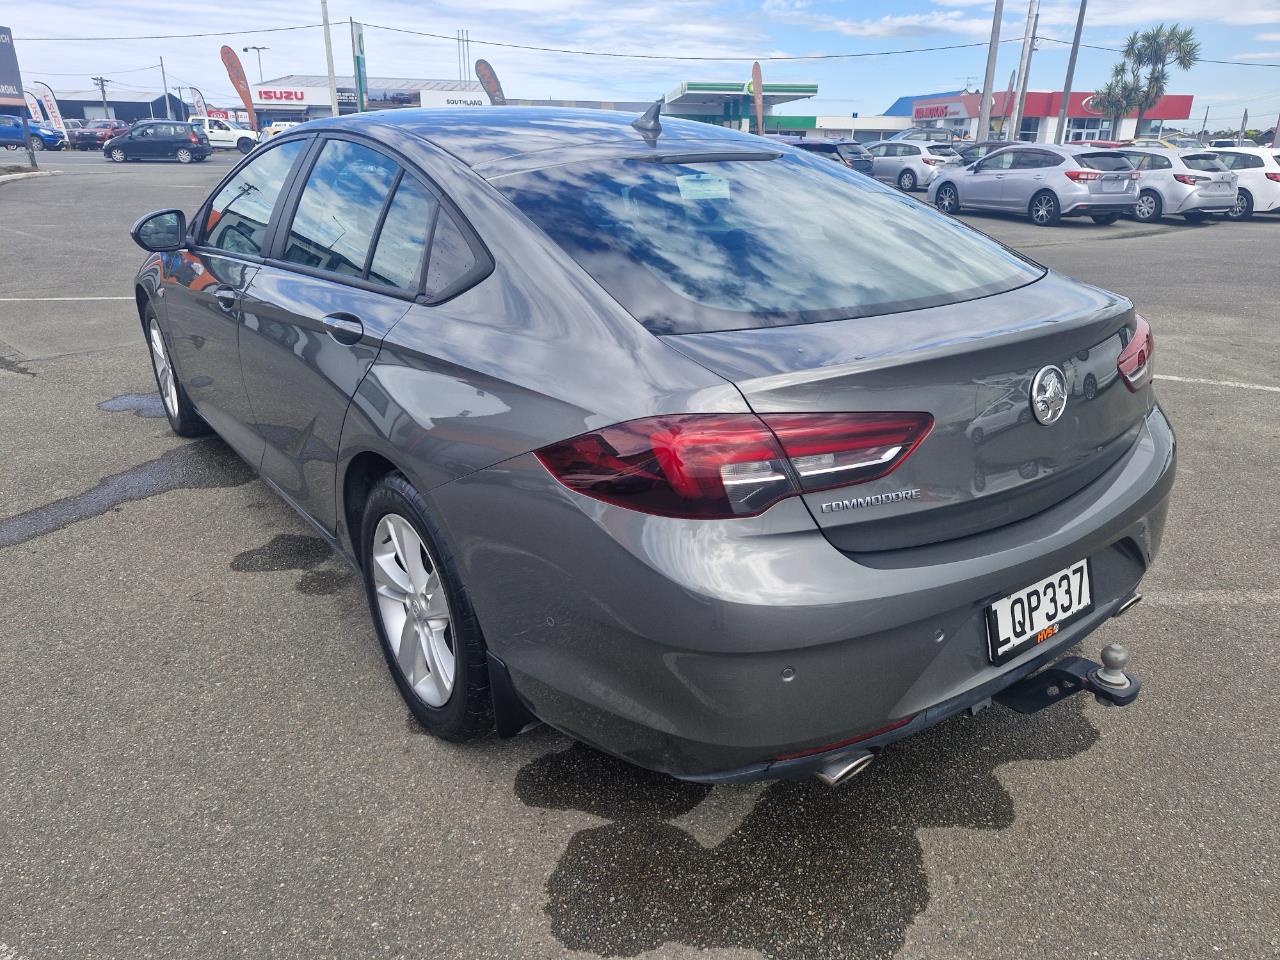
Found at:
[101, 84]
[328, 57]
[1071, 74]
[1024, 69]
[984, 114]
[164, 82]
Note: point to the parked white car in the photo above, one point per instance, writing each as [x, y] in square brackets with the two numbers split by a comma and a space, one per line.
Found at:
[1193, 183]
[1231, 142]
[1258, 187]
[911, 164]
[226, 134]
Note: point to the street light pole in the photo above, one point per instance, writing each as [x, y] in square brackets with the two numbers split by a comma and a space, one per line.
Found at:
[258, 51]
[984, 114]
[1071, 74]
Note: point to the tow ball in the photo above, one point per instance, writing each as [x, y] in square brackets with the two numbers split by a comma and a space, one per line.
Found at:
[1110, 683]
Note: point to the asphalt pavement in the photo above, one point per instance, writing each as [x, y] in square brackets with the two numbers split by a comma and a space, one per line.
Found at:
[203, 756]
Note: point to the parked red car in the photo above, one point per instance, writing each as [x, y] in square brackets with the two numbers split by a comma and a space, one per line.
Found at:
[95, 133]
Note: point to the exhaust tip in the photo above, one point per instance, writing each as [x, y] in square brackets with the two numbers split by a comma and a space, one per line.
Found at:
[1128, 605]
[844, 768]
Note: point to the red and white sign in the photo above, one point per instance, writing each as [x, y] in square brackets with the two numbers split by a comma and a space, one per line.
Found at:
[939, 110]
[290, 96]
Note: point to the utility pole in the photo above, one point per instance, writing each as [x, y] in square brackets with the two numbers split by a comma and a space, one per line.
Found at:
[328, 57]
[984, 114]
[101, 84]
[1204, 126]
[257, 50]
[1244, 125]
[1071, 75]
[164, 82]
[1028, 39]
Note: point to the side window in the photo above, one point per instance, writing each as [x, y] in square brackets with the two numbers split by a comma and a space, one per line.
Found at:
[397, 259]
[218, 125]
[998, 161]
[1247, 161]
[907, 150]
[239, 214]
[879, 150]
[1033, 160]
[1157, 163]
[333, 227]
[452, 259]
[1139, 160]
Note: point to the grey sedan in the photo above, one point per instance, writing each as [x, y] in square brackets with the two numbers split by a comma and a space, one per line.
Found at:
[664, 434]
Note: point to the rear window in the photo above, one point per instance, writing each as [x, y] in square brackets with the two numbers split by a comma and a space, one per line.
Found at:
[1203, 161]
[1104, 161]
[727, 245]
[852, 151]
[941, 150]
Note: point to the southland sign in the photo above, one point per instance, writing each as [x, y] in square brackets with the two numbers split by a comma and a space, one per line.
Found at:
[299, 98]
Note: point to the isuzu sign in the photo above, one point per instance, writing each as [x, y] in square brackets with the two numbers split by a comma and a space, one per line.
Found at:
[295, 96]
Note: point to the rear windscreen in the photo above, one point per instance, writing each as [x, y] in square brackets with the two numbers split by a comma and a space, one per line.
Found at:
[941, 150]
[1204, 161]
[734, 244]
[1104, 161]
[850, 152]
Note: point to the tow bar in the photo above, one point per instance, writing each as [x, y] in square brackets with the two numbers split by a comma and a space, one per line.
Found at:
[1109, 682]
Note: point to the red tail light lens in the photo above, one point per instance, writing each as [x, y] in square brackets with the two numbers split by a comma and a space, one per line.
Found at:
[1083, 176]
[1134, 362]
[931, 161]
[1190, 179]
[719, 466]
[192, 135]
[1274, 176]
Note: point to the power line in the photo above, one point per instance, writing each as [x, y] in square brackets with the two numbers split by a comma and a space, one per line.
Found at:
[80, 73]
[174, 36]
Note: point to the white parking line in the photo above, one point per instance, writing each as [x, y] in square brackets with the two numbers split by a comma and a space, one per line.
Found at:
[55, 299]
[1220, 383]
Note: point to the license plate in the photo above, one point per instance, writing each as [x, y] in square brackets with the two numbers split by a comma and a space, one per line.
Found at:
[1114, 186]
[1036, 613]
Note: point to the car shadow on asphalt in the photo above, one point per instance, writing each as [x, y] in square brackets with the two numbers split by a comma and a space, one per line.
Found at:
[811, 871]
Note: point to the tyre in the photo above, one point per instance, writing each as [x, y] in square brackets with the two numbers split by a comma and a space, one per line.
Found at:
[1044, 209]
[1090, 387]
[1024, 417]
[428, 631]
[977, 435]
[36, 144]
[1195, 216]
[184, 155]
[118, 155]
[244, 144]
[1105, 219]
[177, 407]
[1149, 208]
[947, 199]
[906, 181]
[1243, 207]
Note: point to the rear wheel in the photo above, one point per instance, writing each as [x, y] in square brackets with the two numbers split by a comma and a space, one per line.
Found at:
[1195, 216]
[946, 199]
[1044, 209]
[118, 155]
[1105, 219]
[906, 180]
[177, 407]
[184, 155]
[1242, 209]
[1148, 209]
[428, 631]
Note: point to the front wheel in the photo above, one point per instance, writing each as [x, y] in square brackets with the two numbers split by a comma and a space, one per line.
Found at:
[1148, 209]
[118, 155]
[1105, 219]
[906, 181]
[946, 199]
[36, 144]
[184, 155]
[428, 631]
[183, 418]
[1242, 209]
[1044, 210]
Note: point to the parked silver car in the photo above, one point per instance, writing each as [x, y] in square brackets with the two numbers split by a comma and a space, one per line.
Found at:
[1194, 183]
[1042, 181]
[911, 164]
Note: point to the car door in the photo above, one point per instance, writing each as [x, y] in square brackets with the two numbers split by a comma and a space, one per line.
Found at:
[143, 142]
[220, 133]
[10, 132]
[318, 310]
[1028, 174]
[982, 187]
[879, 155]
[205, 285]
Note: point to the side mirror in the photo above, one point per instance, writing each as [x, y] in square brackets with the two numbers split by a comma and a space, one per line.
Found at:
[161, 232]
[973, 167]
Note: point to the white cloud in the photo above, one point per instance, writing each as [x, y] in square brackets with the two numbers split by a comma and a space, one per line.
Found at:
[1141, 12]
[890, 25]
[1272, 55]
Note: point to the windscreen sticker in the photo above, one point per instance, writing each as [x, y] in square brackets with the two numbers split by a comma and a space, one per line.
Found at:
[703, 186]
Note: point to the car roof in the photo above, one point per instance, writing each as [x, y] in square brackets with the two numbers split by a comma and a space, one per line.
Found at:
[481, 135]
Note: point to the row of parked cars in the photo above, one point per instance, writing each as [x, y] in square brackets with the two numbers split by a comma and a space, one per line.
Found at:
[1145, 180]
[119, 140]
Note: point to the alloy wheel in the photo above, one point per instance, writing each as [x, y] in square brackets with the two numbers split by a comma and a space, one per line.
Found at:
[184, 155]
[414, 610]
[1239, 207]
[1042, 209]
[37, 144]
[907, 181]
[1146, 207]
[164, 370]
[947, 199]
[118, 155]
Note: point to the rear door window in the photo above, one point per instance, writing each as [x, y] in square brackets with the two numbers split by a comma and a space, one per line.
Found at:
[1204, 161]
[1108, 161]
[333, 226]
[1241, 161]
[402, 241]
[941, 150]
[999, 161]
[239, 213]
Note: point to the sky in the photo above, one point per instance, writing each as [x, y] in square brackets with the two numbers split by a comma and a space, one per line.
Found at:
[1247, 31]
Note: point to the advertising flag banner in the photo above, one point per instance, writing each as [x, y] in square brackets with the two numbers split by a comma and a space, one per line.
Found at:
[489, 81]
[757, 94]
[51, 108]
[357, 57]
[33, 107]
[236, 73]
[197, 100]
[10, 76]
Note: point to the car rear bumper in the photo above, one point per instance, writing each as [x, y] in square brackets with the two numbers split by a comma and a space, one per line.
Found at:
[1093, 208]
[709, 655]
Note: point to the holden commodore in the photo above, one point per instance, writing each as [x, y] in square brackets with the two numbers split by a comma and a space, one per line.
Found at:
[664, 434]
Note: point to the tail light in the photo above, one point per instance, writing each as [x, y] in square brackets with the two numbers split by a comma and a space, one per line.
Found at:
[931, 161]
[1083, 176]
[720, 466]
[1190, 179]
[1135, 175]
[191, 134]
[1273, 176]
[1134, 362]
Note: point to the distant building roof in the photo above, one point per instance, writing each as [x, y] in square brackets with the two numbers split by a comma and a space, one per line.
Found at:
[114, 95]
[378, 83]
[902, 106]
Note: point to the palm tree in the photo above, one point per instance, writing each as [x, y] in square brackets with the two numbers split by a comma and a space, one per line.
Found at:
[1156, 50]
[1119, 95]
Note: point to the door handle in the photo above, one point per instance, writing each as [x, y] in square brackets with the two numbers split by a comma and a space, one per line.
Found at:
[999, 176]
[344, 328]
[226, 297]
